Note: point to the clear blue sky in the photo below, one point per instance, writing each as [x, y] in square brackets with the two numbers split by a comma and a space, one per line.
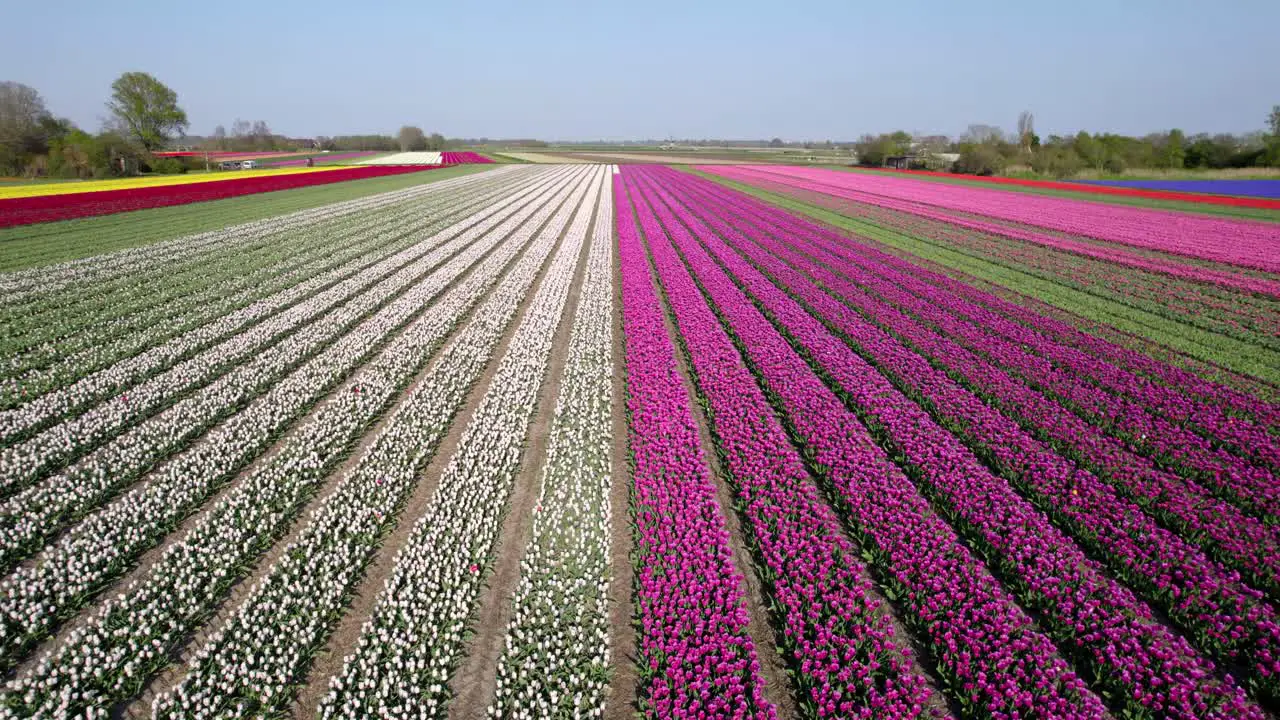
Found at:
[656, 68]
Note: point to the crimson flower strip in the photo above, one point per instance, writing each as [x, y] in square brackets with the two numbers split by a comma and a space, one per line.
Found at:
[49, 208]
[1226, 617]
[1112, 631]
[987, 649]
[1239, 540]
[1240, 243]
[695, 657]
[835, 629]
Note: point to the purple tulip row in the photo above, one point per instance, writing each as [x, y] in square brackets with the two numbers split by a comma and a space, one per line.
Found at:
[994, 659]
[1244, 542]
[1183, 395]
[839, 635]
[1202, 305]
[1242, 243]
[696, 659]
[1227, 617]
[1177, 443]
[1211, 405]
[1110, 629]
[1005, 374]
[1128, 257]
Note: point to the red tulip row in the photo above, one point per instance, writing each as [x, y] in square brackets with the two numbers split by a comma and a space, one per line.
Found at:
[67, 206]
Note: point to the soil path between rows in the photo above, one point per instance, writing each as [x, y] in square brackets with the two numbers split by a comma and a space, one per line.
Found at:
[621, 701]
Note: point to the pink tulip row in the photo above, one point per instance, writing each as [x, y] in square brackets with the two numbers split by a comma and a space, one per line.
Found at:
[1208, 306]
[695, 657]
[1246, 437]
[1155, 427]
[1007, 374]
[1127, 413]
[1241, 243]
[1226, 616]
[837, 632]
[1162, 421]
[1109, 365]
[1186, 395]
[994, 659]
[1113, 632]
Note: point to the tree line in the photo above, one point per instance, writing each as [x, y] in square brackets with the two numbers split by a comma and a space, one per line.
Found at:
[142, 115]
[989, 150]
[143, 118]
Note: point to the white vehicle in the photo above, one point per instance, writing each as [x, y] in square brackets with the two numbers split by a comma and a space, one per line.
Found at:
[249, 165]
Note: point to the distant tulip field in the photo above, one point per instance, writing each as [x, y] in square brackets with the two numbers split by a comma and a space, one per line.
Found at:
[601, 441]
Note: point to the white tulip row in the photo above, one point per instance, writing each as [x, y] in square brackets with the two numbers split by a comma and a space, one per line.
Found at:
[114, 379]
[406, 158]
[247, 666]
[68, 321]
[24, 463]
[35, 457]
[70, 337]
[555, 660]
[417, 629]
[123, 645]
[33, 514]
[129, 324]
[38, 283]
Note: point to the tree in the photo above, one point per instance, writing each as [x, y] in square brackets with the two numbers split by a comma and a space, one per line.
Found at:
[775, 143]
[983, 134]
[146, 110]
[1174, 155]
[220, 138]
[873, 150]
[1055, 160]
[1090, 151]
[1271, 154]
[1026, 130]
[435, 142]
[261, 134]
[21, 134]
[412, 139]
[979, 159]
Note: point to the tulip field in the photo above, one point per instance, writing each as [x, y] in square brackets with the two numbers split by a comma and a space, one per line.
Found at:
[615, 441]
